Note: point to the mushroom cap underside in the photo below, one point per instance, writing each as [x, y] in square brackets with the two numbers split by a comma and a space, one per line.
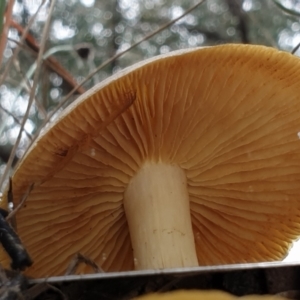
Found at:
[229, 116]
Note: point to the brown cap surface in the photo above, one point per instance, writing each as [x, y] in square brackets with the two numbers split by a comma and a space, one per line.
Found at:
[228, 116]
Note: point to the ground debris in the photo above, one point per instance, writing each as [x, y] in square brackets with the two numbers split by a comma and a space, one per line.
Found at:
[266, 280]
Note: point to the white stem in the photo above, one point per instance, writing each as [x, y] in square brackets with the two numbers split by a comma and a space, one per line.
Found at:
[158, 213]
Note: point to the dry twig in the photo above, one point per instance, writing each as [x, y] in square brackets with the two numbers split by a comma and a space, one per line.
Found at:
[50, 62]
[5, 29]
[21, 204]
[66, 98]
[16, 52]
[32, 93]
[78, 259]
[16, 120]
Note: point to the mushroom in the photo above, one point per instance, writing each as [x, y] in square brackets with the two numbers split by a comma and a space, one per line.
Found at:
[204, 295]
[188, 158]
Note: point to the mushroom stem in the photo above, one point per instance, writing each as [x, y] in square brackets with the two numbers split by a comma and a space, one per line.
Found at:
[157, 207]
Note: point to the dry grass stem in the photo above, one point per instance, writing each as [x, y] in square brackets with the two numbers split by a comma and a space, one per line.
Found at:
[50, 62]
[78, 259]
[20, 205]
[66, 98]
[32, 93]
[5, 28]
[16, 120]
[295, 49]
[16, 52]
[25, 81]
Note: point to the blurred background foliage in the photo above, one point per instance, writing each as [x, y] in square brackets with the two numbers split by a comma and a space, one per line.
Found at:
[85, 33]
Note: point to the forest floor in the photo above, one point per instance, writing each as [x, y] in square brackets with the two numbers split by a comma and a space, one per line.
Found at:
[244, 281]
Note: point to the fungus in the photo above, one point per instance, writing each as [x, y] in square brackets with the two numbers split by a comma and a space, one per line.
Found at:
[189, 158]
[204, 295]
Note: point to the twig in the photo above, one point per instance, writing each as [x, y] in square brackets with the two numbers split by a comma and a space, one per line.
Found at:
[16, 120]
[20, 205]
[287, 10]
[78, 259]
[66, 98]
[16, 52]
[5, 28]
[295, 49]
[50, 62]
[33, 90]
[27, 84]
[121, 54]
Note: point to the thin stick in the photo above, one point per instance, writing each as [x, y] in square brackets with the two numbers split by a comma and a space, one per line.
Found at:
[78, 259]
[21, 204]
[5, 28]
[16, 52]
[295, 49]
[50, 61]
[16, 120]
[28, 87]
[66, 98]
[33, 90]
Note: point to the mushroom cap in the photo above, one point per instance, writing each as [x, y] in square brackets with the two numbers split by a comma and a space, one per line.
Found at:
[204, 295]
[228, 115]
